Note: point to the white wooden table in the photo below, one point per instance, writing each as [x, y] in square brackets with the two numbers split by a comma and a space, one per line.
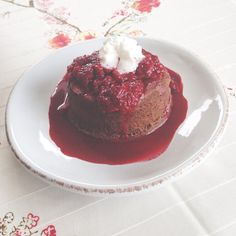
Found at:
[202, 202]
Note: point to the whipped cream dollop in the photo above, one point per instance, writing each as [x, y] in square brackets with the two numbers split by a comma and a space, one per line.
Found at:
[122, 53]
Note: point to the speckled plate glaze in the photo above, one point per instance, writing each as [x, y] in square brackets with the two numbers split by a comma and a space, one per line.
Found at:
[28, 127]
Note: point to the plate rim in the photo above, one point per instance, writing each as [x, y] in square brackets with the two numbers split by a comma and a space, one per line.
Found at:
[95, 189]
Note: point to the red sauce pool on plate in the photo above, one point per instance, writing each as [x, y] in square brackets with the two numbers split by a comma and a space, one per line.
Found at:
[78, 145]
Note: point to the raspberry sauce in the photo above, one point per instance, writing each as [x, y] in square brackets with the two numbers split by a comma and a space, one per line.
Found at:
[78, 145]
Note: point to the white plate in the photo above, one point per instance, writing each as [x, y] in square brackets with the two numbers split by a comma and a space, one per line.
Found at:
[28, 126]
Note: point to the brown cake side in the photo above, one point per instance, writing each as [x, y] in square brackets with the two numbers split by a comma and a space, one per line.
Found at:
[153, 109]
[151, 112]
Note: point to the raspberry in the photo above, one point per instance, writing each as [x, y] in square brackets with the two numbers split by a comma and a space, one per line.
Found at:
[113, 91]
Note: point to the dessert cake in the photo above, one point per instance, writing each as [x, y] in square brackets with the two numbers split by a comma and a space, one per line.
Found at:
[118, 93]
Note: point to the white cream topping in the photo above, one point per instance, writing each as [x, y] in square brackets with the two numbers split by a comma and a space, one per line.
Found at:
[121, 53]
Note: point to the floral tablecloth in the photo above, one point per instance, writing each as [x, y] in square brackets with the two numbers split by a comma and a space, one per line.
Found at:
[202, 202]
